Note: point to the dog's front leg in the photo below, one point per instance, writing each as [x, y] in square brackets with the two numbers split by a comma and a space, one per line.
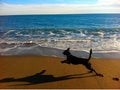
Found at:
[65, 61]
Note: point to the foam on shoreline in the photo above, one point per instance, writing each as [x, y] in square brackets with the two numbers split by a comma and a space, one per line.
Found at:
[47, 51]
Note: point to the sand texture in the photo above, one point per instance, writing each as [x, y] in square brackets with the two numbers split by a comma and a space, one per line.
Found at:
[42, 72]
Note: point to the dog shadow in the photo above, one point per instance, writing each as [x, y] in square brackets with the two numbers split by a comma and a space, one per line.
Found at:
[39, 78]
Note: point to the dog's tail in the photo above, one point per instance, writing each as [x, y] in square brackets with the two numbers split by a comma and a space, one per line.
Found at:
[90, 54]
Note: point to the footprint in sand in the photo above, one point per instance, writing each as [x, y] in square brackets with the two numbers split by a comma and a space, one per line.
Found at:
[115, 78]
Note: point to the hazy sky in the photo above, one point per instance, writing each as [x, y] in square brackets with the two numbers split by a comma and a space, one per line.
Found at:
[13, 7]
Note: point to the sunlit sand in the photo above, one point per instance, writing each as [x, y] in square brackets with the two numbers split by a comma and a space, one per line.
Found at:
[42, 72]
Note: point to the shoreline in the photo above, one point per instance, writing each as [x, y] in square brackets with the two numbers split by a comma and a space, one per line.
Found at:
[19, 72]
[38, 50]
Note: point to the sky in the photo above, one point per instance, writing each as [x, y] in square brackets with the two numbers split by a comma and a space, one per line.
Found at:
[18, 7]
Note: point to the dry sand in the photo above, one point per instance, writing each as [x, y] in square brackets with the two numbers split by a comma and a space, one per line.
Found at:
[23, 72]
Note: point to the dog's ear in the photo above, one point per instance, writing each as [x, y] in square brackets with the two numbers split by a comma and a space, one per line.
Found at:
[67, 52]
[68, 49]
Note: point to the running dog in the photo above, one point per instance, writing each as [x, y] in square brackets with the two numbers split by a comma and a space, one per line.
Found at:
[76, 60]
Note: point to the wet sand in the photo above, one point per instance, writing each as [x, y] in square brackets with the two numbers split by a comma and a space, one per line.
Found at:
[42, 72]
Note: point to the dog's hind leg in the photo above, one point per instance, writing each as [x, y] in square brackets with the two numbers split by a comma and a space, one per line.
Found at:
[89, 67]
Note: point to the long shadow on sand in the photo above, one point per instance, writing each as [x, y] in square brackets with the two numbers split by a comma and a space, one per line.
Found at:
[39, 78]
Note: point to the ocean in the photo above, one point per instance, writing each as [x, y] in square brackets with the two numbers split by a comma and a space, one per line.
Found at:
[51, 34]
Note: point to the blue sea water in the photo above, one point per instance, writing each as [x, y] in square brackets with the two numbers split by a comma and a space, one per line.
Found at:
[73, 21]
[101, 32]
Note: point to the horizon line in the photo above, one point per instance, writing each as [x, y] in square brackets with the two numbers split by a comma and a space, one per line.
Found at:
[56, 14]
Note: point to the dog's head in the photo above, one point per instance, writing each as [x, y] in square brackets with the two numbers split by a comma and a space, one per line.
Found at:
[67, 52]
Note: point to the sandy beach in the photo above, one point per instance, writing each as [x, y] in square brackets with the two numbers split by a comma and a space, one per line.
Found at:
[42, 72]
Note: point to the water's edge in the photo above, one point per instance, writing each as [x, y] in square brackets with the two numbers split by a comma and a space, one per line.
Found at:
[46, 51]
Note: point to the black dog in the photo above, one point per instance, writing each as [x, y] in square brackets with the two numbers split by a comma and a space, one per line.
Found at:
[75, 60]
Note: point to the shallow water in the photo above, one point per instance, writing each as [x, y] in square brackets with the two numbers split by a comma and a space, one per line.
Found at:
[80, 32]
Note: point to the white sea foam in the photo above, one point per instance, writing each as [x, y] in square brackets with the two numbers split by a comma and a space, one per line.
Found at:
[45, 51]
[9, 31]
[41, 42]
